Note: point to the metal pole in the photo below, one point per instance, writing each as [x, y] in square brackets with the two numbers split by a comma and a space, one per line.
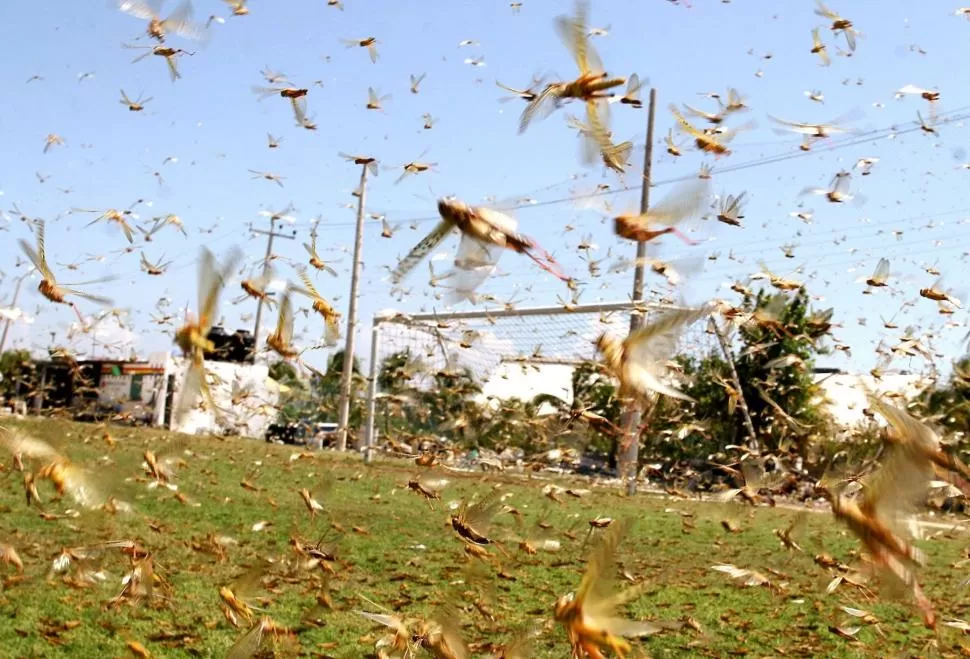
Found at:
[13, 303]
[259, 305]
[630, 420]
[372, 391]
[347, 380]
[742, 403]
[266, 261]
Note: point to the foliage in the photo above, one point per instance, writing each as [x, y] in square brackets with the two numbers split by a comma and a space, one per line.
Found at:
[293, 398]
[325, 392]
[14, 366]
[775, 362]
[950, 403]
[678, 430]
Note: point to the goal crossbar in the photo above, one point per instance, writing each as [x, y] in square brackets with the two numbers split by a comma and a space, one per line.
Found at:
[429, 324]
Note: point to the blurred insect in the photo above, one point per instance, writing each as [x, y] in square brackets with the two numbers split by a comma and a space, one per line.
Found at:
[632, 95]
[472, 521]
[879, 277]
[429, 488]
[890, 493]
[167, 220]
[256, 289]
[273, 142]
[818, 48]
[730, 210]
[370, 43]
[925, 127]
[330, 316]
[839, 24]
[281, 339]
[937, 293]
[268, 176]
[193, 336]
[374, 101]
[256, 639]
[529, 94]
[367, 161]
[440, 635]
[672, 147]
[838, 190]
[929, 95]
[133, 106]
[154, 269]
[295, 95]
[48, 286]
[414, 167]
[589, 614]
[429, 121]
[416, 82]
[52, 140]
[315, 259]
[684, 201]
[399, 643]
[234, 596]
[711, 117]
[816, 131]
[866, 165]
[592, 83]
[777, 281]
[178, 22]
[638, 360]
[597, 139]
[238, 7]
[170, 55]
[482, 229]
[709, 142]
[112, 215]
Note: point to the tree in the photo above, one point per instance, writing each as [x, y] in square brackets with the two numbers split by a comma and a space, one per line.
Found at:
[950, 403]
[325, 391]
[15, 366]
[684, 430]
[293, 395]
[592, 391]
[775, 364]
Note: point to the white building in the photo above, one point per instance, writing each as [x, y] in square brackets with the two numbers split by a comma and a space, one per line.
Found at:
[245, 395]
[845, 393]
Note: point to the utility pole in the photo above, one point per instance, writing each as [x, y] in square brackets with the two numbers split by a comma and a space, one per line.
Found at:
[13, 303]
[742, 403]
[630, 421]
[271, 234]
[347, 378]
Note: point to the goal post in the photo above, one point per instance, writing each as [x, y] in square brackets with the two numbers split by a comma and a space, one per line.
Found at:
[511, 352]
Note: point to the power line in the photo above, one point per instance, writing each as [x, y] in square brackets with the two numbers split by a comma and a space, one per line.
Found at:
[848, 141]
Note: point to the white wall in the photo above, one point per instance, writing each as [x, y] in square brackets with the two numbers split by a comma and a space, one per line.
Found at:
[249, 418]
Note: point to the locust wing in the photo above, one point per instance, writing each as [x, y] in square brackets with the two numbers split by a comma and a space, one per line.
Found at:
[646, 349]
[422, 249]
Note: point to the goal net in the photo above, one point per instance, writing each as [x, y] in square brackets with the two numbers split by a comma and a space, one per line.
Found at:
[509, 353]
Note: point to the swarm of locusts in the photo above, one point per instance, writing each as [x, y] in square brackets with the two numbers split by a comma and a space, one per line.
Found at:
[196, 545]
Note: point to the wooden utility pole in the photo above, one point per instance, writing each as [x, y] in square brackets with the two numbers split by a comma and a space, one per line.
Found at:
[630, 421]
[348, 374]
[271, 234]
[742, 403]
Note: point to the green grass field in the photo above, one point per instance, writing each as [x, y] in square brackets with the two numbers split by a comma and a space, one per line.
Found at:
[383, 524]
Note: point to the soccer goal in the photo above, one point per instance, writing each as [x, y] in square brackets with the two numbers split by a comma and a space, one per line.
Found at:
[509, 352]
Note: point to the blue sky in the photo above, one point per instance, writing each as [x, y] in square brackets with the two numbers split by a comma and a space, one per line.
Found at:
[216, 127]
